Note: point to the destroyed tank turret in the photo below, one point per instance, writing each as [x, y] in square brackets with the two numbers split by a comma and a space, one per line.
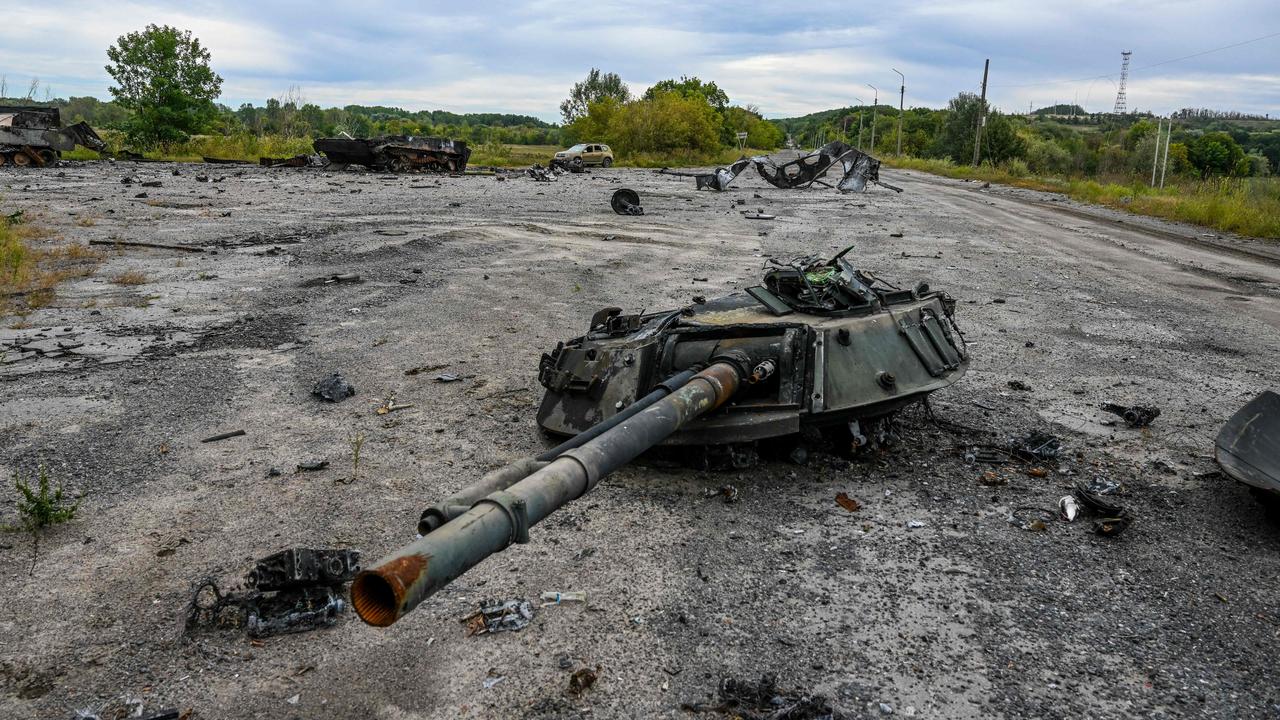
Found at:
[844, 345]
[33, 136]
[818, 343]
[397, 153]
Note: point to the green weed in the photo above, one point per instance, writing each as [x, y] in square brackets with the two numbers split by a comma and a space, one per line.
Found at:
[40, 507]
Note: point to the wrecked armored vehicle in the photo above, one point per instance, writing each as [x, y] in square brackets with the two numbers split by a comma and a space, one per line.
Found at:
[820, 342]
[838, 346]
[857, 170]
[397, 153]
[34, 136]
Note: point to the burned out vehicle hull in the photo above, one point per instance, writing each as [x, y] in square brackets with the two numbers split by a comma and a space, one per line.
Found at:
[32, 136]
[854, 363]
[857, 170]
[402, 153]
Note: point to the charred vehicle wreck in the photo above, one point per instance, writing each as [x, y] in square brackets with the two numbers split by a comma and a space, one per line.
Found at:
[397, 153]
[34, 136]
[818, 343]
[857, 170]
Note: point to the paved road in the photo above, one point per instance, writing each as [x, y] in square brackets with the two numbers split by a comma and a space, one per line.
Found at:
[965, 617]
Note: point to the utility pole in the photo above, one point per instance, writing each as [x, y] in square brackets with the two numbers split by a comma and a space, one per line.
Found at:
[1155, 160]
[902, 94]
[860, 105]
[1164, 165]
[982, 114]
[874, 103]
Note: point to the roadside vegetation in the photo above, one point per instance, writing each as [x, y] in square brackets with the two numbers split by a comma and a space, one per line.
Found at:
[31, 268]
[1248, 206]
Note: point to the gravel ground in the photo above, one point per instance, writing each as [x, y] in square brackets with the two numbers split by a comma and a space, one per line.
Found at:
[967, 616]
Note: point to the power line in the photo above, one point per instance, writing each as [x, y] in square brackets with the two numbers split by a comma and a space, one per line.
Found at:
[1144, 67]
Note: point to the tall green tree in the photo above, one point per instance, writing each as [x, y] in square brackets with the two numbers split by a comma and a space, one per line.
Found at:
[597, 87]
[691, 87]
[163, 76]
[1000, 142]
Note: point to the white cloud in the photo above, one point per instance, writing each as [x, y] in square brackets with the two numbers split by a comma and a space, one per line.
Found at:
[787, 59]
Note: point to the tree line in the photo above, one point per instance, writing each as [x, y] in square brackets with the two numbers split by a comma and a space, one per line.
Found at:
[1044, 143]
[166, 90]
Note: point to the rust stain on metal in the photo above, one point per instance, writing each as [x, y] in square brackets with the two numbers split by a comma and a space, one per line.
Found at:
[378, 594]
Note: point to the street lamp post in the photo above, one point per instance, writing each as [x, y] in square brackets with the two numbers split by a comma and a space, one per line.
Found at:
[874, 103]
[902, 94]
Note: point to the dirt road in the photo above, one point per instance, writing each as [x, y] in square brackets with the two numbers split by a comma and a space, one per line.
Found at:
[966, 616]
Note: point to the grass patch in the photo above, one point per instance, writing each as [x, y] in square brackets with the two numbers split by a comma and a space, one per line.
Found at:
[130, 277]
[30, 268]
[1248, 206]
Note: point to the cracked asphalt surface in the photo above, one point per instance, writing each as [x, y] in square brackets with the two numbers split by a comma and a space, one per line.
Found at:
[113, 386]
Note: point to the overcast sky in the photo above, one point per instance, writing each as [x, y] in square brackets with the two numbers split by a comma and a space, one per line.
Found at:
[786, 58]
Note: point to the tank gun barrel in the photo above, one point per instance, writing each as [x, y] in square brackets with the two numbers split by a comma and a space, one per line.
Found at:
[399, 582]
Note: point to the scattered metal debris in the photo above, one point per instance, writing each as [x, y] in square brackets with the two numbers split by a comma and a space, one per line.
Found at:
[157, 246]
[223, 436]
[1248, 446]
[312, 161]
[626, 201]
[1137, 416]
[541, 174]
[1036, 446]
[391, 406]
[494, 616]
[333, 280]
[1068, 507]
[1112, 526]
[728, 493]
[582, 680]
[398, 153]
[848, 503]
[553, 597]
[291, 591]
[1034, 519]
[764, 700]
[334, 388]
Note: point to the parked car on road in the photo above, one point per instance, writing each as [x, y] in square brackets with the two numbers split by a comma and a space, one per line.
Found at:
[584, 154]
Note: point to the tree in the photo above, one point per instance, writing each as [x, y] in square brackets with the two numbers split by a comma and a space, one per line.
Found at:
[691, 87]
[164, 77]
[1000, 142]
[1216, 153]
[598, 86]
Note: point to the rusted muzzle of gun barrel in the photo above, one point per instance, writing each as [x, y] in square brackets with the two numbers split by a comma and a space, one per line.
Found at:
[399, 582]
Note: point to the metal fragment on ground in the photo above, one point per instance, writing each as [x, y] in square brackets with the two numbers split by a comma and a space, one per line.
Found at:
[294, 590]
[334, 388]
[1248, 446]
[626, 201]
[1036, 446]
[493, 616]
[1136, 416]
